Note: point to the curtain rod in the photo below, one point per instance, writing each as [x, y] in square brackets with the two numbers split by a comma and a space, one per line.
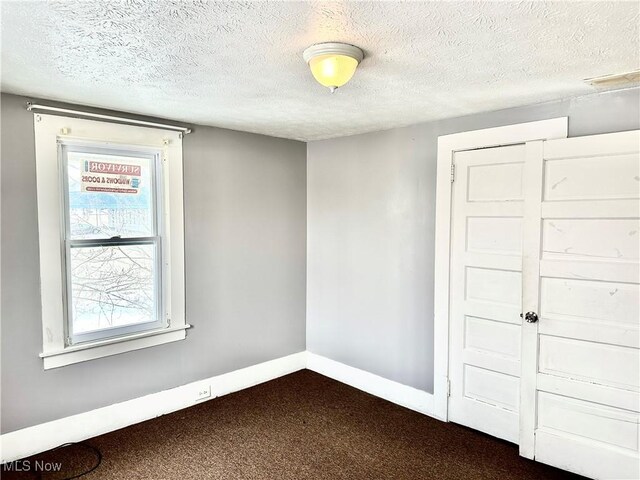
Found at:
[46, 108]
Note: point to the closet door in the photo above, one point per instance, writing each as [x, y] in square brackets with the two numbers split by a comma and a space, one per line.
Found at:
[486, 262]
[580, 359]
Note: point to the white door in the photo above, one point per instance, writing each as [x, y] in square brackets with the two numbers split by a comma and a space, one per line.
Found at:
[580, 360]
[486, 263]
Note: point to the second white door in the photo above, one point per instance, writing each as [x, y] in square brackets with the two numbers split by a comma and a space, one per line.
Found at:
[580, 384]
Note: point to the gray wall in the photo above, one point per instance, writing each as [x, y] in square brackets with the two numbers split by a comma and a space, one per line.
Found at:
[370, 216]
[245, 214]
[369, 256]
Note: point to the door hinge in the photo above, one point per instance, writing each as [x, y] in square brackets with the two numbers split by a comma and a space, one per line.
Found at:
[453, 172]
[448, 387]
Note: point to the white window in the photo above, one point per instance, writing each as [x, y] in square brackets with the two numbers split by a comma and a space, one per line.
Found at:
[110, 217]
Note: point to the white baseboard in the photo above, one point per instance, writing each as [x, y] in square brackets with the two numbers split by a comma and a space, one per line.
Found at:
[395, 392]
[31, 440]
[38, 438]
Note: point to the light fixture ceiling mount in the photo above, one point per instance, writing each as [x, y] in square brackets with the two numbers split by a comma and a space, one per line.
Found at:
[333, 64]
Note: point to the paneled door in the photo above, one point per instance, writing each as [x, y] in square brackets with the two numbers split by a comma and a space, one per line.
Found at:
[485, 298]
[580, 359]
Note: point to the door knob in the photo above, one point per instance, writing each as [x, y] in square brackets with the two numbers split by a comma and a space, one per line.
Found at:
[530, 317]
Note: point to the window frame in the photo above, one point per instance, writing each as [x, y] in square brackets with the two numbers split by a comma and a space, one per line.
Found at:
[153, 155]
[55, 137]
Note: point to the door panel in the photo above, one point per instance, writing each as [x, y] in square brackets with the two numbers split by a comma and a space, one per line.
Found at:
[590, 301]
[486, 265]
[624, 399]
[482, 186]
[492, 337]
[494, 235]
[491, 387]
[589, 361]
[580, 382]
[604, 424]
[585, 177]
[580, 239]
[493, 285]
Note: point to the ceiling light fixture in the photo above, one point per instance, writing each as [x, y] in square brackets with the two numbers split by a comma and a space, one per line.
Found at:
[333, 64]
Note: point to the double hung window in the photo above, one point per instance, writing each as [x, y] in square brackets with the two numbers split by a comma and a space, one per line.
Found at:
[113, 241]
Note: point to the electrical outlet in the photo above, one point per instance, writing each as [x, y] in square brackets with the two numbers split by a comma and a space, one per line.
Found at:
[203, 392]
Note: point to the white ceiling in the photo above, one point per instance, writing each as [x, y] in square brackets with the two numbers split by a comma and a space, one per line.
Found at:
[239, 65]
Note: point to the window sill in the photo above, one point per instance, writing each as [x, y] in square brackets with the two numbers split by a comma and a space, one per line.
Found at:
[104, 348]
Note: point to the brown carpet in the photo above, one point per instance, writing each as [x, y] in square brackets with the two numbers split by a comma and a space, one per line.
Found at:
[302, 426]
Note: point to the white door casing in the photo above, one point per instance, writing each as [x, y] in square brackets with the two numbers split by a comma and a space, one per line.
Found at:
[486, 263]
[580, 383]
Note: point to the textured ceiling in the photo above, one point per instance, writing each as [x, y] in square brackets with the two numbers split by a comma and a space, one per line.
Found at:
[239, 65]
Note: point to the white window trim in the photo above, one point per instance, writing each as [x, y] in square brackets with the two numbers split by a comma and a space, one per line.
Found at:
[447, 146]
[49, 131]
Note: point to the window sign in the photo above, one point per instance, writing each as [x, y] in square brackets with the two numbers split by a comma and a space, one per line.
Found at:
[109, 177]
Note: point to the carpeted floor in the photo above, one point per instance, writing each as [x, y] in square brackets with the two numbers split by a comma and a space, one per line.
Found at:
[302, 426]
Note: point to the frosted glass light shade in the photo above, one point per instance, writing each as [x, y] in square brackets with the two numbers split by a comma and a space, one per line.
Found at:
[333, 70]
[333, 64]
